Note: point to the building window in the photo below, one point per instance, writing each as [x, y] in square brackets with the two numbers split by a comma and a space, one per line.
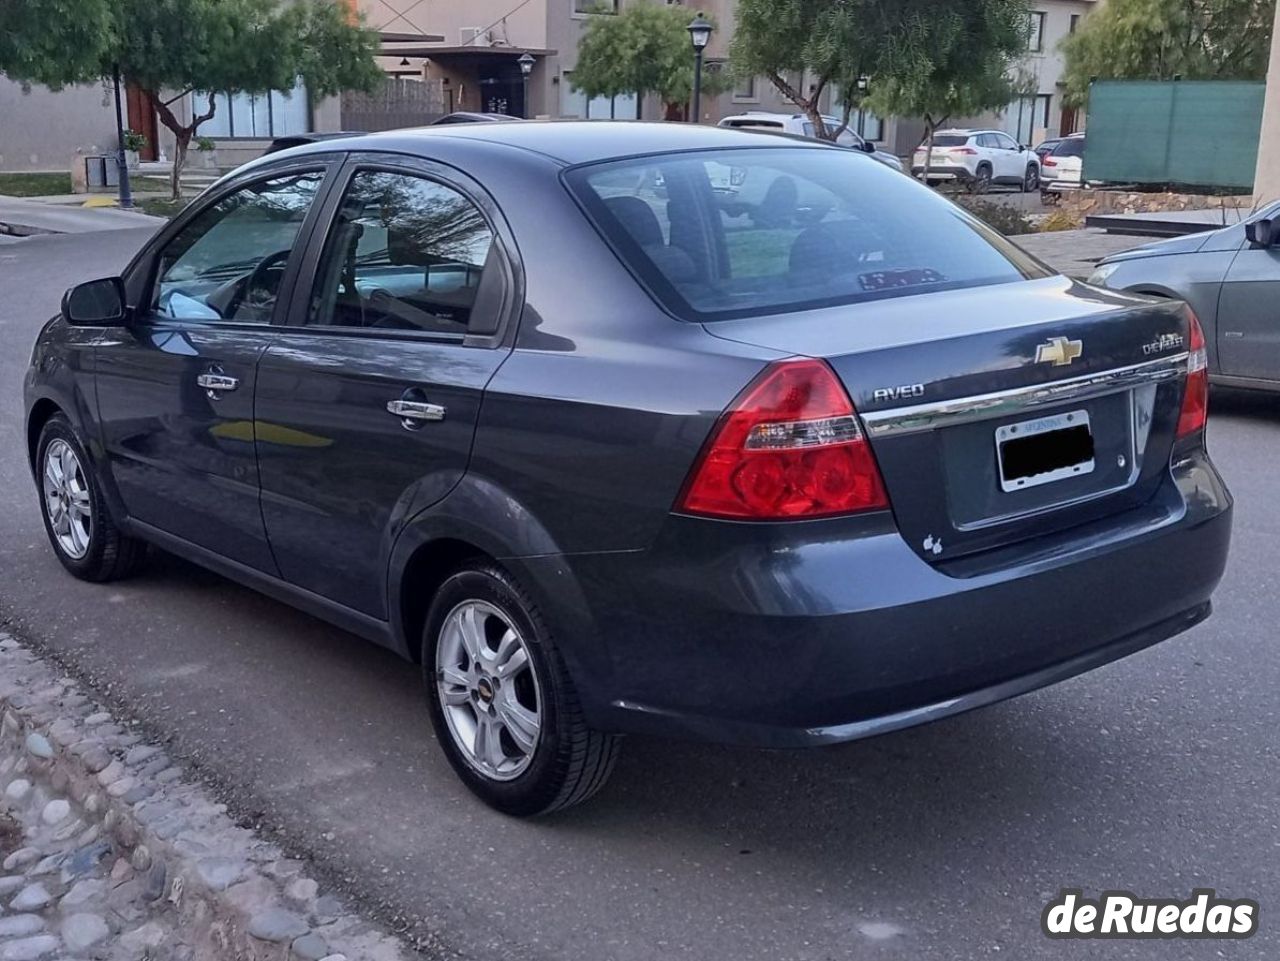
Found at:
[574, 104]
[595, 6]
[1075, 22]
[1027, 118]
[1035, 32]
[255, 115]
[745, 89]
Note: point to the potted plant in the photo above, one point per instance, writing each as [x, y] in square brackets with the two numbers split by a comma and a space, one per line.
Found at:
[134, 142]
[208, 152]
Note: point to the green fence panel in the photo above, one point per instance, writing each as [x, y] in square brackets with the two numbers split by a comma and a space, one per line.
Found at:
[1181, 132]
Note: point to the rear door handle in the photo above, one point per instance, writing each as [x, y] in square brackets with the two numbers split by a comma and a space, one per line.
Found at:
[215, 382]
[414, 413]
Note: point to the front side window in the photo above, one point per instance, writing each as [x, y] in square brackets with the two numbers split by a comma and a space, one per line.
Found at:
[227, 263]
[405, 253]
[733, 233]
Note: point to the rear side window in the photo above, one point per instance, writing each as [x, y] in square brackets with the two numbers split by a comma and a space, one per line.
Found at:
[1070, 148]
[722, 234]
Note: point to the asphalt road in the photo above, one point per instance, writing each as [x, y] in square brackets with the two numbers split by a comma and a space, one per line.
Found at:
[1157, 774]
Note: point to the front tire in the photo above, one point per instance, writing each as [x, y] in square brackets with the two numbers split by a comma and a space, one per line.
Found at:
[502, 703]
[84, 537]
[1031, 183]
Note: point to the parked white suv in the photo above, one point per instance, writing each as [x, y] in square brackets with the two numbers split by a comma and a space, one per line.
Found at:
[1063, 167]
[978, 159]
[802, 126]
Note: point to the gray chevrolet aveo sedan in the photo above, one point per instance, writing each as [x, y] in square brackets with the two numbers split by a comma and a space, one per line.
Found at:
[608, 446]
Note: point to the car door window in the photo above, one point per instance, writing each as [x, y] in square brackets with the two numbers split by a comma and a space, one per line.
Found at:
[405, 253]
[228, 262]
[988, 140]
[1005, 142]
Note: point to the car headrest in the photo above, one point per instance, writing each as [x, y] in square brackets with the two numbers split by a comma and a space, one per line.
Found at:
[638, 219]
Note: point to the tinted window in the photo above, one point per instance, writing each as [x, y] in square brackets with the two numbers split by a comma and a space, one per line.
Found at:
[950, 140]
[735, 233]
[404, 253]
[228, 262]
[1070, 148]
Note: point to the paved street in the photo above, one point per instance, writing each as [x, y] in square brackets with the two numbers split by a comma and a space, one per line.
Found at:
[1158, 774]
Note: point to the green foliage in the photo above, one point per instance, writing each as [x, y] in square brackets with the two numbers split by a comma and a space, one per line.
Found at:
[1163, 39]
[134, 141]
[55, 42]
[923, 57]
[643, 49]
[34, 185]
[1005, 218]
[171, 47]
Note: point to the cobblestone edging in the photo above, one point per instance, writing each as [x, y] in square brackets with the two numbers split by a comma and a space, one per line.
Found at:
[110, 853]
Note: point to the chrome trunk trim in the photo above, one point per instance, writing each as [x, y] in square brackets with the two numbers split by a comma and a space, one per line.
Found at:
[964, 410]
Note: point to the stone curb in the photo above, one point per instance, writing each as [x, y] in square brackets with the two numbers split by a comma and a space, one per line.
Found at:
[227, 893]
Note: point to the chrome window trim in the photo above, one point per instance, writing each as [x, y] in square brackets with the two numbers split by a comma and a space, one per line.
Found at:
[964, 410]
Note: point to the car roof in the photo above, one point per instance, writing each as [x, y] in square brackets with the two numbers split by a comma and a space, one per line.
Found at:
[963, 132]
[567, 142]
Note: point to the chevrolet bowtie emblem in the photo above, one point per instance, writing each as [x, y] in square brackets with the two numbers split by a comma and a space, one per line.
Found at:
[1059, 351]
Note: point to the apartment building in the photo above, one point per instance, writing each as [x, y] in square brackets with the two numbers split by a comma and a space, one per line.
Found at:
[477, 65]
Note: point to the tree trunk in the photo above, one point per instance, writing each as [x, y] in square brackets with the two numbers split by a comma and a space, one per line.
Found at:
[179, 161]
[183, 135]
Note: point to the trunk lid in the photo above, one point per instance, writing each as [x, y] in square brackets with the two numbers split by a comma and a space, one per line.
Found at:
[945, 382]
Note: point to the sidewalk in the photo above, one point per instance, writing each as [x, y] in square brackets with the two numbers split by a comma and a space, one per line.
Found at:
[25, 217]
[1076, 252]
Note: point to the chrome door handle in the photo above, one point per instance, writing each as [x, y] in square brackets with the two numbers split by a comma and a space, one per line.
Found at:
[214, 382]
[414, 413]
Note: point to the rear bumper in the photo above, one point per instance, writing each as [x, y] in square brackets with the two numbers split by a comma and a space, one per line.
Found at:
[943, 172]
[1057, 186]
[808, 634]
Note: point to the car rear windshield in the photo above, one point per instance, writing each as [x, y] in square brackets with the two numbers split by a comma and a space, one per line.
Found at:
[1070, 148]
[736, 233]
[950, 140]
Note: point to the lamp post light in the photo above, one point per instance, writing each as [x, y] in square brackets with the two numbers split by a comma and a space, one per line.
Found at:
[700, 33]
[864, 84]
[526, 62]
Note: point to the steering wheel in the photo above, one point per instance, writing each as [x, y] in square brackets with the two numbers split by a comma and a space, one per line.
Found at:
[257, 283]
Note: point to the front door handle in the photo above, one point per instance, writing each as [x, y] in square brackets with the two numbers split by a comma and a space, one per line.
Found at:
[414, 413]
[215, 382]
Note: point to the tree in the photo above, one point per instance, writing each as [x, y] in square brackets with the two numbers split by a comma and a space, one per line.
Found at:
[922, 56]
[173, 48]
[641, 50]
[833, 42]
[952, 60]
[1163, 39]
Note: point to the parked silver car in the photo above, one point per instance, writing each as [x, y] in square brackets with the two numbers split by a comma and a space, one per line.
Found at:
[1231, 278]
[801, 126]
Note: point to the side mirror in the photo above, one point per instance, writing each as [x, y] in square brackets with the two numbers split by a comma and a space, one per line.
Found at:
[868, 147]
[1262, 234]
[97, 303]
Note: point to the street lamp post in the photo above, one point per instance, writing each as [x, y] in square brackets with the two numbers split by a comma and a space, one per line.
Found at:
[700, 33]
[864, 82]
[526, 62]
[122, 163]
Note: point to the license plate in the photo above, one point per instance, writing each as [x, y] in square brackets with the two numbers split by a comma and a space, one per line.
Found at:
[1044, 450]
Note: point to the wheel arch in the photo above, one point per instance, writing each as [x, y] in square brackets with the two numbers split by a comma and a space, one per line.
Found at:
[42, 411]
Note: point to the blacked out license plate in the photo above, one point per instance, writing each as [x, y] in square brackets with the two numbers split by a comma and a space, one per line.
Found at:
[1044, 450]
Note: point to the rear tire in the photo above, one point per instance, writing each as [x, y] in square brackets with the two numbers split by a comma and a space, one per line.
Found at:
[84, 536]
[536, 753]
[981, 179]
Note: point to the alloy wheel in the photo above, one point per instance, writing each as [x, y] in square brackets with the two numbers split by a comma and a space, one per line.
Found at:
[66, 499]
[489, 693]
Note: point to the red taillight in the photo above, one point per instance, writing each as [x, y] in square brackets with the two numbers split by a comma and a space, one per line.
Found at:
[789, 446]
[1195, 402]
[967, 151]
[1048, 162]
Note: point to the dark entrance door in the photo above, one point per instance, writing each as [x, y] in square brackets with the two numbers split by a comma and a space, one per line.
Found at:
[500, 93]
[142, 118]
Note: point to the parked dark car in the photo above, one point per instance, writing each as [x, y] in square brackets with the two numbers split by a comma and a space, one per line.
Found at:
[549, 410]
